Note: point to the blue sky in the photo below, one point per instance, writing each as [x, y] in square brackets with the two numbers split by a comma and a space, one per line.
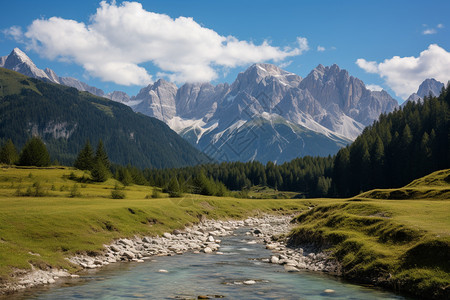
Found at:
[224, 37]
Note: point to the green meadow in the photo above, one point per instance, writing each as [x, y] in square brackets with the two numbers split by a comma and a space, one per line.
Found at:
[382, 236]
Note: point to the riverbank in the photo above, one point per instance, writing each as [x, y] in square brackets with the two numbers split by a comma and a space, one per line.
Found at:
[200, 238]
[398, 244]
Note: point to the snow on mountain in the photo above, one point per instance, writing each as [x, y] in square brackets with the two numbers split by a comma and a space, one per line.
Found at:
[18, 61]
[266, 114]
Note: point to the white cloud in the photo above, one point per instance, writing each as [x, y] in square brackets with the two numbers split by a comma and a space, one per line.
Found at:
[285, 64]
[320, 48]
[118, 38]
[374, 87]
[429, 31]
[14, 32]
[404, 74]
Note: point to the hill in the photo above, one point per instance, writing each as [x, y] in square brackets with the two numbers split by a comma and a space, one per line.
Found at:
[400, 147]
[402, 245]
[65, 118]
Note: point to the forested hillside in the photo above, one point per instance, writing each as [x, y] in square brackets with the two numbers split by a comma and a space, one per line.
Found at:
[403, 145]
[65, 118]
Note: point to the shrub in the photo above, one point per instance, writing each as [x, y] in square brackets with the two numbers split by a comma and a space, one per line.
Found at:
[75, 191]
[118, 193]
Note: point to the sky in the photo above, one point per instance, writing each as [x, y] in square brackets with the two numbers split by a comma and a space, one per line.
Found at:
[119, 45]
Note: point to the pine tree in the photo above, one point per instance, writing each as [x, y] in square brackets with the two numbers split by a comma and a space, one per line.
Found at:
[99, 172]
[125, 177]
[173, 188]
[34, 153]
[101, 155]
[8, 153]
[85, 159]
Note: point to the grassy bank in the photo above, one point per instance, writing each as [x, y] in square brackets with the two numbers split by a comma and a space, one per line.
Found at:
[385, 238]
[42, 231]
[401, 244]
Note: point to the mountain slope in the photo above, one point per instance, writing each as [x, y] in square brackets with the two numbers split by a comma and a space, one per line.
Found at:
[65, 118]
[316, 115]
[427, 87]
[18, 61]
[268, 113]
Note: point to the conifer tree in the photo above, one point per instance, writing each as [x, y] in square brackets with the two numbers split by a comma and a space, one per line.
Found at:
[99, 172]
[101, 155]
[34, 153]
[8, 153]
[85, 159]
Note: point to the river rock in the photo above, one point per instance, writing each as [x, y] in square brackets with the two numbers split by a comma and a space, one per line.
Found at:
[274, 259]
[207, 250]
[128, 254]
[126, 242]
[249, 282]
[290, 268]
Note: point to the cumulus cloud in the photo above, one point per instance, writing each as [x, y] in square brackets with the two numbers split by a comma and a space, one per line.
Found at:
[374, 87]
[440, 26]
[320, 48]
[119, 39]
[404, 74]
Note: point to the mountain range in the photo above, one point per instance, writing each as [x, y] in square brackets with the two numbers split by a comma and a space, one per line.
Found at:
[266, 114]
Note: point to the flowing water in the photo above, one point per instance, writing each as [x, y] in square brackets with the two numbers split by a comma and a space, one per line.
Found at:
[190, 275]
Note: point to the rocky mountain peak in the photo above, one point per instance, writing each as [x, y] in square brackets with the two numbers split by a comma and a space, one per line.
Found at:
[18, 61]
[428, 86]
[118, 96]
[20, 55]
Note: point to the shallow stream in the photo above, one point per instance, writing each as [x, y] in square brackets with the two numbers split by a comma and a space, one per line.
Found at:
[191, 275]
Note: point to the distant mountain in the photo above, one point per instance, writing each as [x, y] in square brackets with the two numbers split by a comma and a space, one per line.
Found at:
[267, 113]
[64, 118]
[427, 87]
[18, 61]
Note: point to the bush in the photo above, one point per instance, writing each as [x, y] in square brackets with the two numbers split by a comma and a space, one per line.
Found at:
[35, 190]
[75, 191]
[156, 193]
[118, 193]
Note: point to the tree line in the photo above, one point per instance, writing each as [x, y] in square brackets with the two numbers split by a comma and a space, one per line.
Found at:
[403, 145]
[34, 153]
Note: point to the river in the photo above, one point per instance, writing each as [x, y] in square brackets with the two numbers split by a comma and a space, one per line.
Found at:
[238, 273]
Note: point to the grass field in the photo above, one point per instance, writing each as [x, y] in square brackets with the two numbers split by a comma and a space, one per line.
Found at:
[406, 242]
[382, 237]
[41, 231]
